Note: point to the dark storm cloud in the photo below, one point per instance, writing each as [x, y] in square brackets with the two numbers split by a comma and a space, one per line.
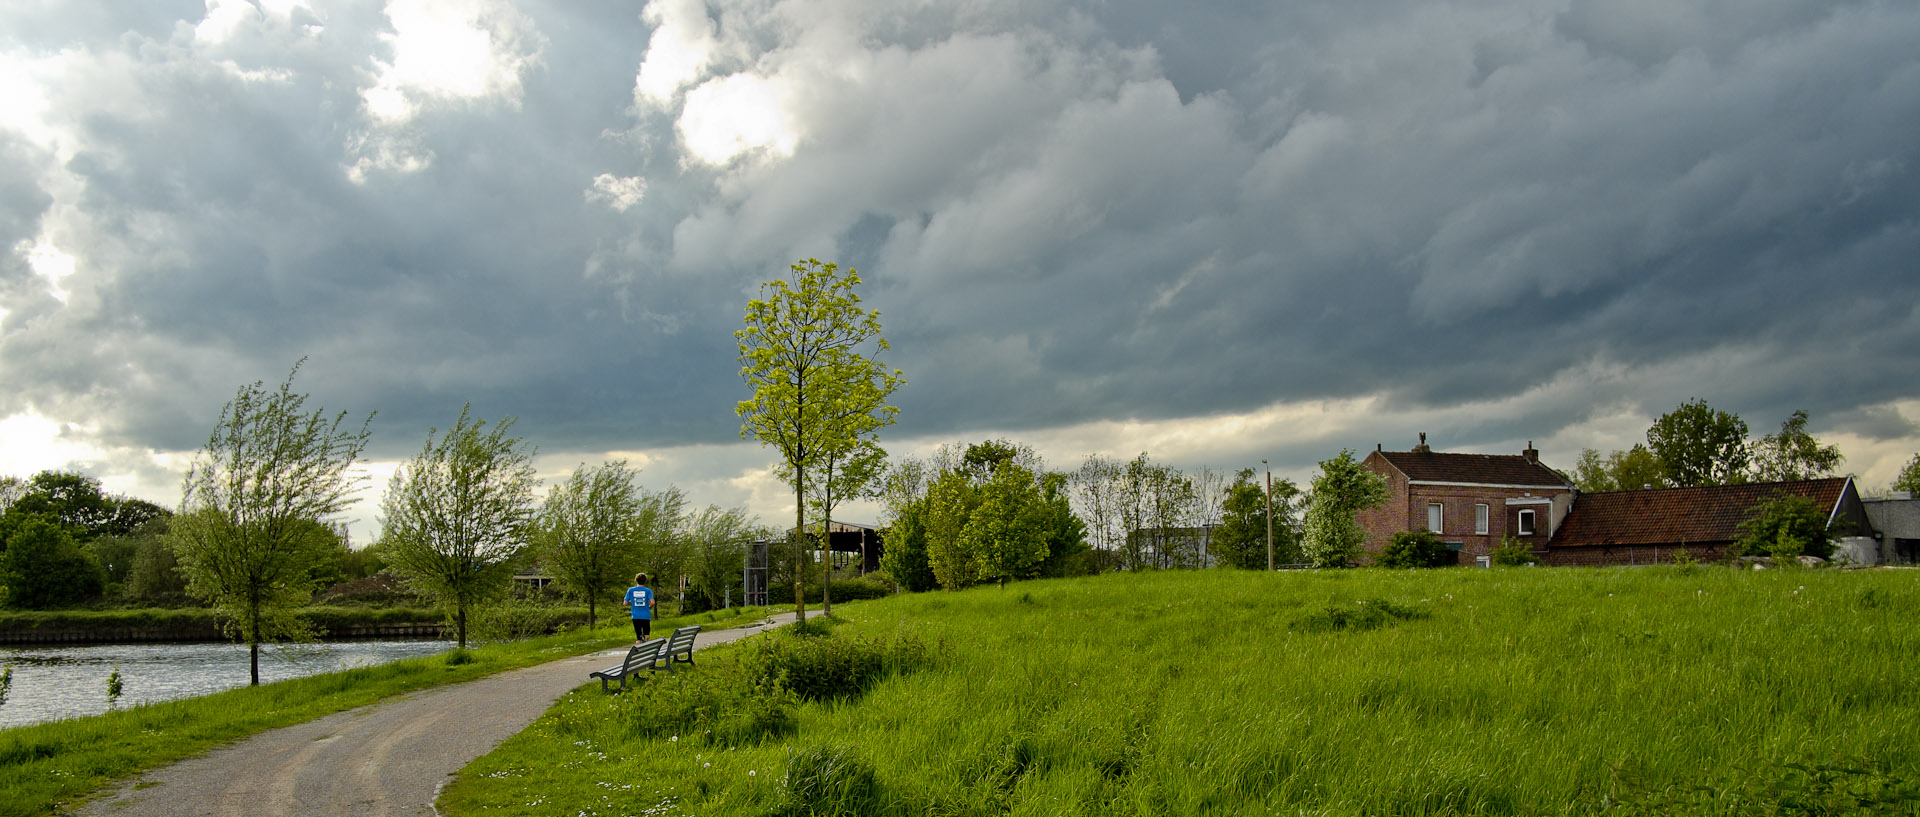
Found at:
[1066, 212]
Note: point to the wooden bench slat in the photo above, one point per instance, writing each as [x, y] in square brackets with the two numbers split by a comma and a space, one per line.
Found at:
[642, 657]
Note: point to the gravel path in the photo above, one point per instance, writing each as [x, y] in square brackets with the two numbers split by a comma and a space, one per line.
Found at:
[389, 758]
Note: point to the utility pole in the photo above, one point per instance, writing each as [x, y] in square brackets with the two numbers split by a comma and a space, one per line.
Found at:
[1263, 463]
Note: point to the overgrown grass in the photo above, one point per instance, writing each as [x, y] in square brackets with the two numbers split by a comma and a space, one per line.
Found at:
[45, 765]
[1640, 691]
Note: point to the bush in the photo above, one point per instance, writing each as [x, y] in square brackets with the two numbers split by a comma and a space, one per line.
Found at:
[727, 707]
[1512, 553]
[828, 781]
[1414, 549]
[853, 589]
[1365, 614]
[822, 668]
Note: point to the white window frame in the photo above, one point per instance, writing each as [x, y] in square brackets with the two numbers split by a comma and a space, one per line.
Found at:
[1526, 522]
[1481, 516]
[1436, 516]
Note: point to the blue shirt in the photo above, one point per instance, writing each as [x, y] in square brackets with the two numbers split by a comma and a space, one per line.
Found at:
[640, 599]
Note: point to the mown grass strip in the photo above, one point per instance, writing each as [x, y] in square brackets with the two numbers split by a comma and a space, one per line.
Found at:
[44, 766]
[1538, 691]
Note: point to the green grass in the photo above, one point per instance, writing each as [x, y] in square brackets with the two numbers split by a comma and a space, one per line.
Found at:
[46, 765]
[1629, 691]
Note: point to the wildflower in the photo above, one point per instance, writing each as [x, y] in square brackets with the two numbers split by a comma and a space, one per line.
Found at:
[752, 772]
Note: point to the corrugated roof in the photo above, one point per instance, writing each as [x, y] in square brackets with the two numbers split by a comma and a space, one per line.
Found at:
[1478, 469]
[1666, 516]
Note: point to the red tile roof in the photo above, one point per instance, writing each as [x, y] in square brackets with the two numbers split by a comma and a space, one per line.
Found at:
[1678, 516]
[1476, 469]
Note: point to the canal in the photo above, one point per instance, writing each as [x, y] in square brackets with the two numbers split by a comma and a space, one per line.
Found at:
[50, 683]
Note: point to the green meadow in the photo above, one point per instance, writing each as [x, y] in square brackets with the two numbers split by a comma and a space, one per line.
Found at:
[48, 765]
[1522, 691]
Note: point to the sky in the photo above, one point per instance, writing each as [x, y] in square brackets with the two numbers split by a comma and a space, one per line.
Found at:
[1218, 233]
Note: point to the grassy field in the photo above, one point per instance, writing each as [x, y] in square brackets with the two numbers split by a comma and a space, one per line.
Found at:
[1525, 691]
[48, 764]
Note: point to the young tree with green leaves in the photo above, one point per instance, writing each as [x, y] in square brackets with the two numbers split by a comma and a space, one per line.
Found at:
[1241, 539]
[252, 497]
[1332, 537]
[458, 513]
[1909, 478]
[1698, 444]
[816, 386]
[717, 540]
[584, 534]
[1793, 454]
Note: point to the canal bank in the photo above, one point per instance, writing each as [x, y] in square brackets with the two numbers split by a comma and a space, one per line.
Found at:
[189, 625]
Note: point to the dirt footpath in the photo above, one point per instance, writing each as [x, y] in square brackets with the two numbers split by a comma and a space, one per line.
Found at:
[389, 758]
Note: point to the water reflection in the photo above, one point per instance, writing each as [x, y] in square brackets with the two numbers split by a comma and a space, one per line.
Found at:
[66, 682]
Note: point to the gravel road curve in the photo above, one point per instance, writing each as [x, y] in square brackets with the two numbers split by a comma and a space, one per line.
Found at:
[383, 760]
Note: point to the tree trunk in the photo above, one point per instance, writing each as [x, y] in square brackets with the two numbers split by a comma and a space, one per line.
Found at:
[460, 625]
[253, 650]
[826, 549]
[800, 544]
[590, 612]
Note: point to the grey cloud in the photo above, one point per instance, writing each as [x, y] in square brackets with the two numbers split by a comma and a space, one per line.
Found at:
[1066, 212]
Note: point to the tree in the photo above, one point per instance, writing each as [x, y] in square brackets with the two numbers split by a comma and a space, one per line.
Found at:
[1241, 538]
[1785, 526]
[717, 544]
[843, 474]
[1006, 533]
[1700, 445]
[950, 503]
[1331, 536]
[664, 553]
[1793, 454]
[1414, 549]
[584, 536]
[815, 387]
[1909, 479]
[1065, 534]
[904, 558]
[1096, 490]
[43, 567]
[244, 536]
[1629, 470]
[456, 515]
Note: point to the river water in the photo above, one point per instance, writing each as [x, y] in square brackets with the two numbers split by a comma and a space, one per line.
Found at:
[66, 682]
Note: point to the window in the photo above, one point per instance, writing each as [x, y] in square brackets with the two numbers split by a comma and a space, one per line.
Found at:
[1480, 518]
[1433, 516]
[1526, 523]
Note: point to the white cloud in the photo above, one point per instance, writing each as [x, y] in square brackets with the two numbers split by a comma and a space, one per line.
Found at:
[729, 116]
[49, 262]
[450, 50]
[618, 192]
[682, 46]
[224, 18]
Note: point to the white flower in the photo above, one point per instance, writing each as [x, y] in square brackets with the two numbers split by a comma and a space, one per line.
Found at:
[752, 772]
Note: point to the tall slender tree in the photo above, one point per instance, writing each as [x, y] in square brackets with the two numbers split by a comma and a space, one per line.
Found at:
[810, 353]
[245, 534]
[457, 514]
[584, 536]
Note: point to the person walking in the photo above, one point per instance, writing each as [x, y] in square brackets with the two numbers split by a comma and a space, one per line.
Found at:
[640, 601]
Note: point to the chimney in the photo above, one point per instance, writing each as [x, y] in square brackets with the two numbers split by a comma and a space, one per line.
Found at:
[1422, 447]
[1532, 455]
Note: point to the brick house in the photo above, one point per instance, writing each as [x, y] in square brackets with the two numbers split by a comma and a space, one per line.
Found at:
[1648, 526]
[1473, 501]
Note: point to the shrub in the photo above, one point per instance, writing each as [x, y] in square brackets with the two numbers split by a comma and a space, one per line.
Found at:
[1512, 553]
[726, 707]
[1365, 614]
[828, 781]
[1413, 549]
[853, 589]
[1784, 527]
[822, 668]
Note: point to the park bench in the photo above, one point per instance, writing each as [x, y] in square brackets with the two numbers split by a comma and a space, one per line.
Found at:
[680, 647]
[641, 658]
